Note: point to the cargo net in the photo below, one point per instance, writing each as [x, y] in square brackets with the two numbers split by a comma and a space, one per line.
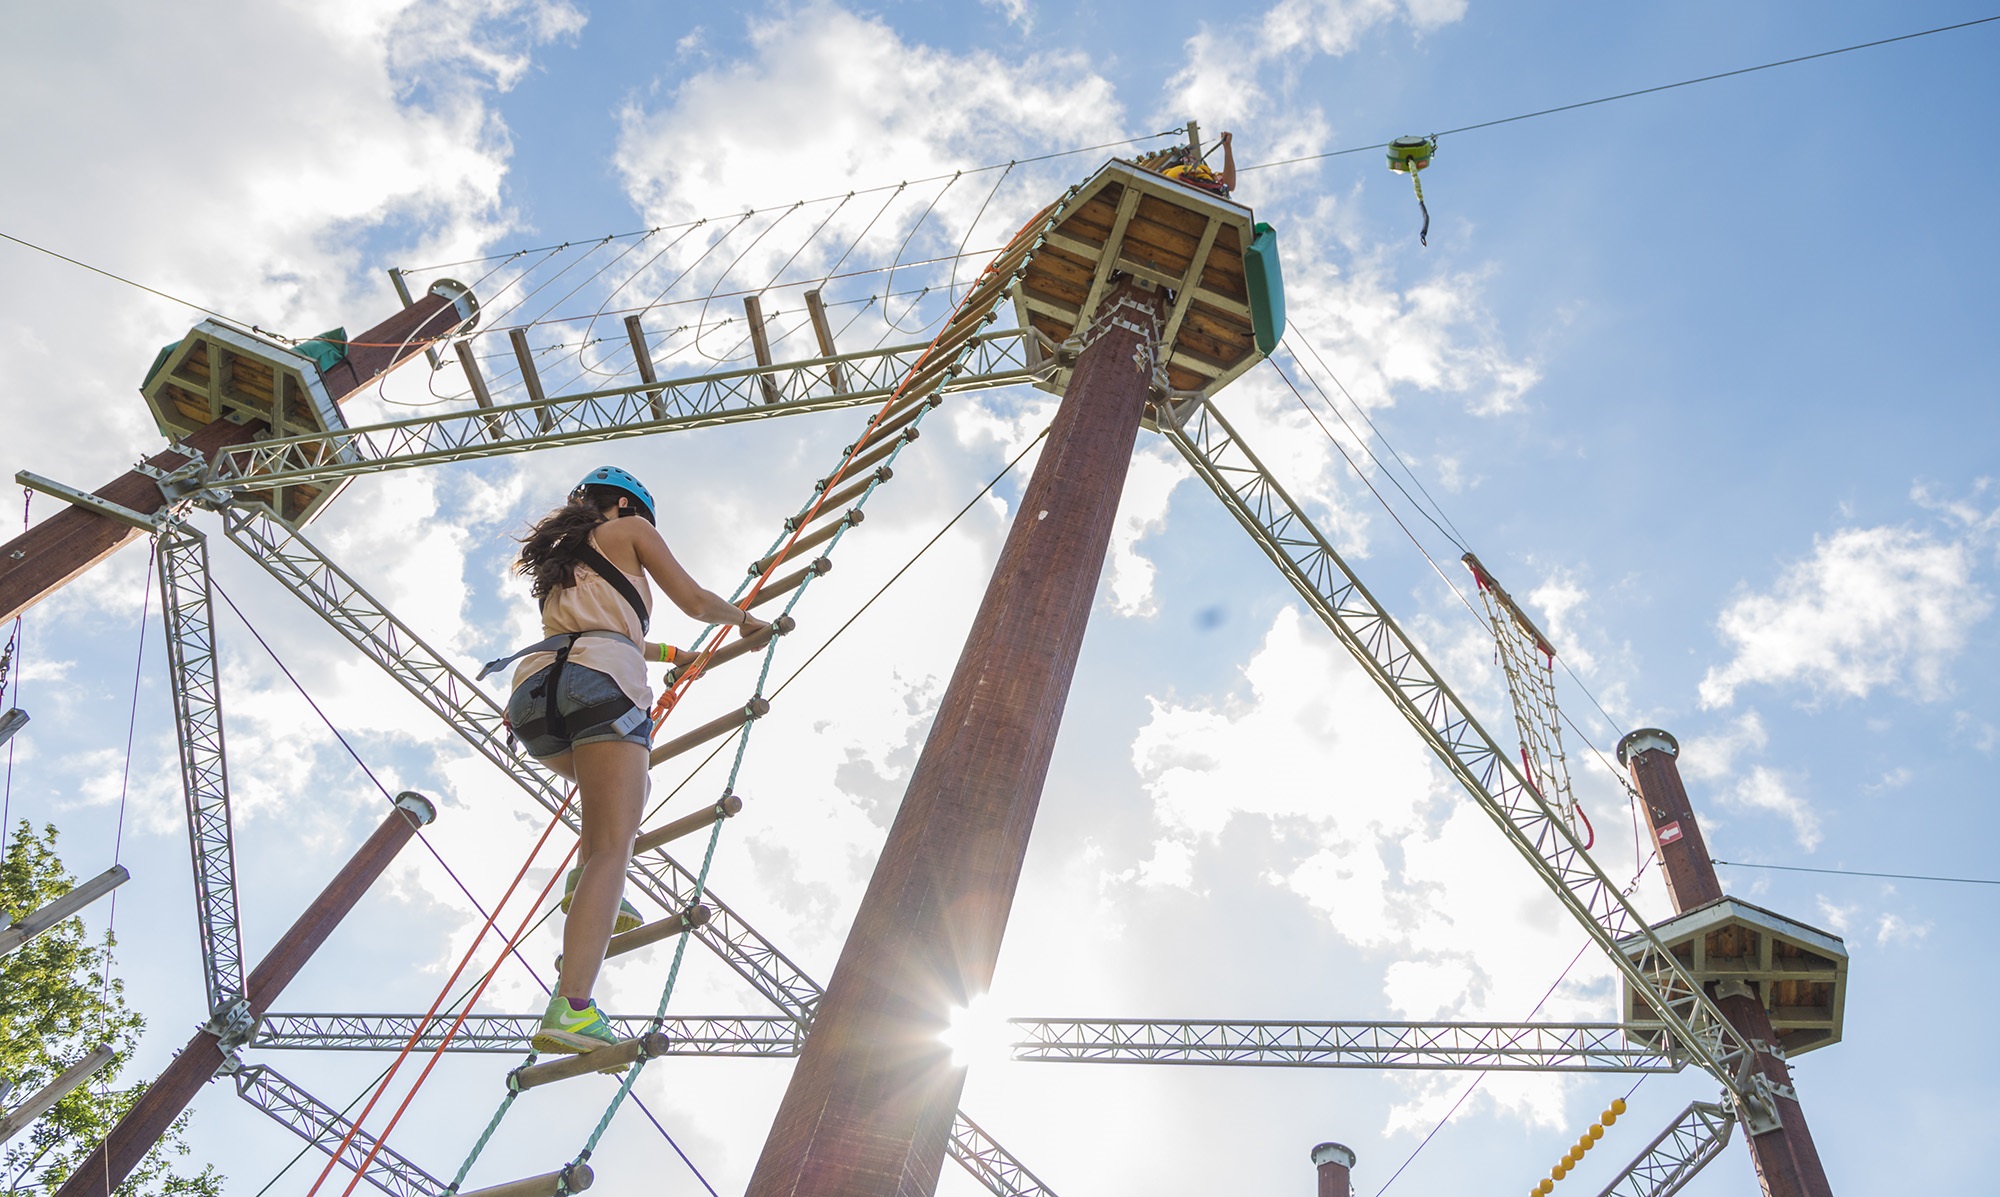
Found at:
[1529, 661]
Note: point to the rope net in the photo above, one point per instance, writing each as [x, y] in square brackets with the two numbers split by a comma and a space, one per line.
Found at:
[1529, 662]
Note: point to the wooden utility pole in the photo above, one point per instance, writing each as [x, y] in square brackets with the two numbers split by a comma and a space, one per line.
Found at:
[1787, 1161]
[869, 1109]
[114, 1159]
[49, 555]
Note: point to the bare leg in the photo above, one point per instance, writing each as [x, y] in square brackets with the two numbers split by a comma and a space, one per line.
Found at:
[611, 784]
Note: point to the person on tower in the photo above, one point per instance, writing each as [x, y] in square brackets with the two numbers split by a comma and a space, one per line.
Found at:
[1198, 175]
[580, 706]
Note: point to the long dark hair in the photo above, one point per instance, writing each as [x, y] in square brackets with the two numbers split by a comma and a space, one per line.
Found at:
[549, 551]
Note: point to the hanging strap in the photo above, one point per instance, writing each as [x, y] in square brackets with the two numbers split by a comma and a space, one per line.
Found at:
[558, 643]
[588, 554]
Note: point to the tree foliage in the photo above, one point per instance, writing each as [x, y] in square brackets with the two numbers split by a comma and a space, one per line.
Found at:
[57, 1004]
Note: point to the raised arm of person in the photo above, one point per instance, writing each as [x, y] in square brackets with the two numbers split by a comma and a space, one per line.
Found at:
[1228, 176]
[696, 601]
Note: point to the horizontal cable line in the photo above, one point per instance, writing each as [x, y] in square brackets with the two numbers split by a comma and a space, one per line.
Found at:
[1644, 91]
[1737, 864]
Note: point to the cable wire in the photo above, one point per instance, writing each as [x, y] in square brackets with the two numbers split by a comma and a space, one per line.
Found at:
[1737, 864]
[1627, 95]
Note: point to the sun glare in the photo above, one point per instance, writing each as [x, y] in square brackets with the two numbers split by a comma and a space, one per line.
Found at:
[978, 1033]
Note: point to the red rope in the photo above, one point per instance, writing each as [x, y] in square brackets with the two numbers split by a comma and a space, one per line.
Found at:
[424, 1023]
[672, 696]
[661, 708]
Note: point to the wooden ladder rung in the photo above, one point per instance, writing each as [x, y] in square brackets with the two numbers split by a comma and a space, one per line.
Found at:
[756, 708]
[817, 567]
[573, 1179]
[894, 422]
[852, 516]
[657, 930]
[834, 502]
[742, 645]
[730, 806]
[605, 1059]
[869, 459]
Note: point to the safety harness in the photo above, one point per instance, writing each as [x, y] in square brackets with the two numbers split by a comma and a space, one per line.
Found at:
[621, 711]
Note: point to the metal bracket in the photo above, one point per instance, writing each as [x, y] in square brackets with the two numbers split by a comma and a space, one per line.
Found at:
[1768, 1048]
[88, 501]
[1758, 1107]
[181, 484]
[232, 1023]
[1734, 988]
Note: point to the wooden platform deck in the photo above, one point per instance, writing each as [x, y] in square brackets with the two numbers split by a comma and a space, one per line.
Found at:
[221, 373]
[1127, 219]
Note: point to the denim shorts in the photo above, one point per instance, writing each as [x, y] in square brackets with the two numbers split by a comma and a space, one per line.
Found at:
[577, 690]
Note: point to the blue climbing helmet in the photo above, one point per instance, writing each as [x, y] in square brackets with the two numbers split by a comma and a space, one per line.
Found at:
[618, 479]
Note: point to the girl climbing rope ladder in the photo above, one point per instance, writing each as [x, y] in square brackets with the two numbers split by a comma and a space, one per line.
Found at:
[580, 706]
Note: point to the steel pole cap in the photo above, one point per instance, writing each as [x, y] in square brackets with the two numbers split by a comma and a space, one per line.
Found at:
[1334, 1153]
[1645, 740]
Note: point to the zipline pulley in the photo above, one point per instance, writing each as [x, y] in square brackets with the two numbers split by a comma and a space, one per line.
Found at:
[1408, 155]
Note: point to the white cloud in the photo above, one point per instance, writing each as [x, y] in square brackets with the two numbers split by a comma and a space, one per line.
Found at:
[1895, 929]
[1766, 789]
[1872, 607]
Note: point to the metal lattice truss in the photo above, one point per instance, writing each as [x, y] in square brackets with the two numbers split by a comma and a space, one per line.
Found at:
[323, 1127]
[1529, 661]
[1535, 1047]
[1544, 839]
[1670, 1161]
[991, 359]
[723, 1035]
[189, 613]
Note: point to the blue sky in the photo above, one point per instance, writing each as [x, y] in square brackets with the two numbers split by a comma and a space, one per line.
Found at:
[1704, 376]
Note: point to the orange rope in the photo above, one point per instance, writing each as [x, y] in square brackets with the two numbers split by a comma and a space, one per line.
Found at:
[424, 1023]
[672, 696]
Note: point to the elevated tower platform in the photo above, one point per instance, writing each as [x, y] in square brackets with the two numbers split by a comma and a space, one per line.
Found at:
[1796, 972]
[1201, 248]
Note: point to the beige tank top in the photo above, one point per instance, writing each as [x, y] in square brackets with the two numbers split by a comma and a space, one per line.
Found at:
[592, 604]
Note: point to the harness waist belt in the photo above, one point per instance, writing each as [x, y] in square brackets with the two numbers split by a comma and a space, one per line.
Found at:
[558, 643]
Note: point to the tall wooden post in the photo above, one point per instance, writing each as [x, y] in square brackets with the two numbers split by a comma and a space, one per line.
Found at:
[870, 1106]
[1787, 1161]
[114, 1159]
[49, 555]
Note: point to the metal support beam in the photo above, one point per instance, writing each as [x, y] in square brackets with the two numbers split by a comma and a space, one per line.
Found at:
[324, 1128]
[1475, 1046]
[191, 671]
[23, 1116]
[13, 935]
[1391, 659]
[611, 413]
[757, 1035]
[428, 675]
[1672, 1159]
[214, 1046]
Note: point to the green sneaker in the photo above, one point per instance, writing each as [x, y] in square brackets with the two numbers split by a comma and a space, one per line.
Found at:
[573, 1032]
[629, 917]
